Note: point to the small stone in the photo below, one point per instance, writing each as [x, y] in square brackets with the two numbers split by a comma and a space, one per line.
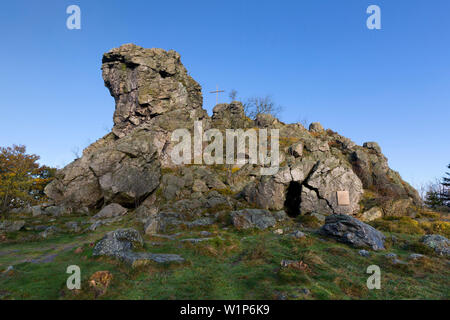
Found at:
[195, 240]
[364, 253]
[372, 214]
[11, 226]
[305, 291]
[205, 233]
[36, 211]
[440, 244]
[73, 226]
[316, 127]
[55, 211]
[297, 234]
[9, 269]
[372, 146]
[253, 218]
[199, 186]
[397, 261]
[278, 231]
[391, 255]
[52, 230]
[415, 256]
[110, 211]
[296, 150]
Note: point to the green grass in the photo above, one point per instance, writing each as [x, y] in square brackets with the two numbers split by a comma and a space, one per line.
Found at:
[238, 265]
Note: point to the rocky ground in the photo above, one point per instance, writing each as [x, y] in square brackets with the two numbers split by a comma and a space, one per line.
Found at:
[250, 257]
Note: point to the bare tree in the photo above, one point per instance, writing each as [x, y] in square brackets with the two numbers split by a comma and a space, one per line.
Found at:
[76, 152]
[261, 105]
[233, 95]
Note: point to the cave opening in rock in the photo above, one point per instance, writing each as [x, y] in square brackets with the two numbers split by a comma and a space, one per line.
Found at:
[293, 199]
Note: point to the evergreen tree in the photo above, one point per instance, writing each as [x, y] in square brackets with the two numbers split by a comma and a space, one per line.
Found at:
[433, 199]
[445, 196]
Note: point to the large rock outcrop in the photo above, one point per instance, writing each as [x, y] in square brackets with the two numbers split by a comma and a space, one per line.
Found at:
[147, 83]
[320, 171]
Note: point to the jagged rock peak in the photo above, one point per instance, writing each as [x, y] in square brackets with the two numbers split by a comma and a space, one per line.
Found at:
[146, 83]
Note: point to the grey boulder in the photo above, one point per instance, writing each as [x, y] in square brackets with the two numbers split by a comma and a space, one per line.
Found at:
[440, 244]
[351, 231]
[253, 218]
[120, 243]
[11, 226]
[110, 211]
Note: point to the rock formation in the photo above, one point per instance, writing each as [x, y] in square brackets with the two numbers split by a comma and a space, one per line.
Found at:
[320, 171]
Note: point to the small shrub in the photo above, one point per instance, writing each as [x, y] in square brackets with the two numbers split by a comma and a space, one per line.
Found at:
[439, 227]
[398, 225]
[309, 221]
[419, 247]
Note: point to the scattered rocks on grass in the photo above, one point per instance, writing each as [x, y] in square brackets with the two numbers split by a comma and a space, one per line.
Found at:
[416, 256]
[11, 226]
[50, 231]
[73, 226]
[195, 240]
[120, 244]
[440, 244]
[297, 234]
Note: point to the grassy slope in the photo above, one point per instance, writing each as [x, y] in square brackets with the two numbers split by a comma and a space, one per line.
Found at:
[240, 265]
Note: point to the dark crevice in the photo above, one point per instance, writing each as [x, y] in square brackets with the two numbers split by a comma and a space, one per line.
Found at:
[319, 196]
[293, 199]
[164, 74]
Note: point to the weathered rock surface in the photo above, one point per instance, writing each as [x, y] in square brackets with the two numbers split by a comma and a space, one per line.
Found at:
[146, 83]
[371, 214]
[110, 211]
[440, 244]
[230, 116]
[132, 165]
[120, 244]
[11, 226]
[316, 127]
[36, 211]
[49, 231]
[328, 177]
[350, 230]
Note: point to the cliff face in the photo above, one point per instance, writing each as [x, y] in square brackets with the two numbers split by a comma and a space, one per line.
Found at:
[320, 171]
[147, 83]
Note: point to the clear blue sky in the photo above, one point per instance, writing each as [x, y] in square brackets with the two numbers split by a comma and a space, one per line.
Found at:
[316, 58]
